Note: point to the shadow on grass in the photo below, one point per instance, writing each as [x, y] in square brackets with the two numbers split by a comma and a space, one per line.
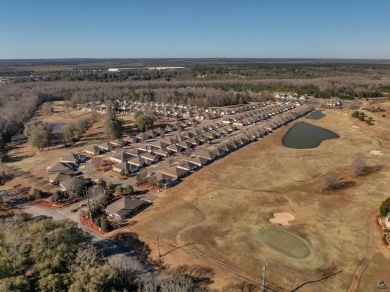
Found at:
[344, 185]
[131, 242]
[178, 247]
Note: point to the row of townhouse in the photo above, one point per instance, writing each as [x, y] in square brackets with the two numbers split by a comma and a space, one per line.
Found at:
[65, 172]
[170, 176]
[132, 161]
[256, 115]
[170, 111]
[290, 95]
[68, 164]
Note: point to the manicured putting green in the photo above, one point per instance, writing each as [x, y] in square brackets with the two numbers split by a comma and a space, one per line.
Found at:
[285, 242]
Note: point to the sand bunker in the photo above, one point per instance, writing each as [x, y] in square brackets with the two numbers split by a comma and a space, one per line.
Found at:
[376, 152]
[282, 218]
[355, 127]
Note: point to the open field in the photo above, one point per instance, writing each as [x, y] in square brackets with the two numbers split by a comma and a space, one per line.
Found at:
[223, 211]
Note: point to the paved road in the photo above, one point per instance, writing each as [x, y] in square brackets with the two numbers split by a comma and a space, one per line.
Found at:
[108, 247]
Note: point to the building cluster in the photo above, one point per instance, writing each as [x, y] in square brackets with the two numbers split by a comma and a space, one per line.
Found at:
[149, 148]
[196, 144]
[334, 102]
[290, 95]
[252, 114]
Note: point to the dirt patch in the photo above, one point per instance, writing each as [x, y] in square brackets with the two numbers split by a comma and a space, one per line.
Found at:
[376, 152]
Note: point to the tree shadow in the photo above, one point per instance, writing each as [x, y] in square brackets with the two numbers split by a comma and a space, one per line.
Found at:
[344, 185]
[131, 242]
[200, 275]
[373, 169]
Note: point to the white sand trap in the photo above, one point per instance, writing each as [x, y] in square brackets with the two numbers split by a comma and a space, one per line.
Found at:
[282, 218]
[355, 127]
[345, 114]
[376, 152]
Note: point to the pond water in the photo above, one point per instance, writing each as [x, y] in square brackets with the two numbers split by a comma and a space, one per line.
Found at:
[302, 136]
[56, 127]
[284, 242]
[316, 115]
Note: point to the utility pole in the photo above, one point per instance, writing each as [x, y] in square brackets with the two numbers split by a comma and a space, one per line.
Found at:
[158, 248]
[263, 274]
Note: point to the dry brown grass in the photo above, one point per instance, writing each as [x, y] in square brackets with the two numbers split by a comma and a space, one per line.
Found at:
[234, 198]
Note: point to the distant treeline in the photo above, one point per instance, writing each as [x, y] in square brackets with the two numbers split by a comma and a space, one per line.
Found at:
[18, 101]
[208, 71]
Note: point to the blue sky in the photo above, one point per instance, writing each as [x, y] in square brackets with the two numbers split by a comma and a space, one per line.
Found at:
[194, 29]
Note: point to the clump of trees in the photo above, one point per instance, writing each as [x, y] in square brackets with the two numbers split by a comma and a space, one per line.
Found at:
[361, 116]
[38, 134]
[144, 122]
[75, 130]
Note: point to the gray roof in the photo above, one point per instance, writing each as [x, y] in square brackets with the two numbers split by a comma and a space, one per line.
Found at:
[122, 156]
[124, 206]
[207, 154]
[72, 157]
[59, 177]
[174, 171]
[58, 167]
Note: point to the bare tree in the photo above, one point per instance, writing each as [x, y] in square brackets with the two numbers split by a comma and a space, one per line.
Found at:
[329, 181]
[67, 132]
[152, 180]
[47, 108]
[141, 176]
[359, 165]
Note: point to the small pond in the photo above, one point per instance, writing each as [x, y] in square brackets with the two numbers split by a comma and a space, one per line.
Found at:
[316, 115]
[56, 127]
[303, 135]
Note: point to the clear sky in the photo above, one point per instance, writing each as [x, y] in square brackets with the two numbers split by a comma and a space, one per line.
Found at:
[195, 29]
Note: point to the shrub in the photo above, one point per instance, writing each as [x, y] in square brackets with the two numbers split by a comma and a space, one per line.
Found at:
[97, 221]
[105, 224]
[109, 186]
[119, 190]
[37, 194]
[384, 207]
[101, 182]
[359, 165]
[129, 189]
